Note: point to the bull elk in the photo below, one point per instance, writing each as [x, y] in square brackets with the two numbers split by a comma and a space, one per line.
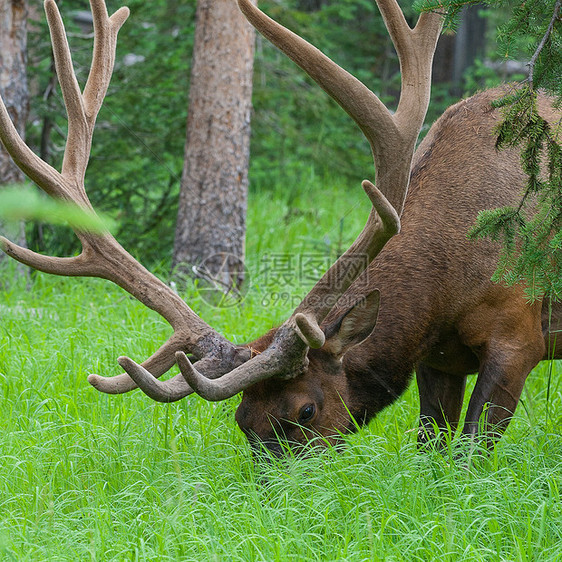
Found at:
[439, 314]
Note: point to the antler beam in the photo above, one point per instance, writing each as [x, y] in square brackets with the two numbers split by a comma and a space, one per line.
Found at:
[392, 137]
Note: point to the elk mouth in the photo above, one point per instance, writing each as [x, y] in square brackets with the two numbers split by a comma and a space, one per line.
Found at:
[271, 450]
[282, 448]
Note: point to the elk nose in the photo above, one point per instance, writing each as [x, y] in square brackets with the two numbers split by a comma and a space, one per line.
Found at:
[267, 450]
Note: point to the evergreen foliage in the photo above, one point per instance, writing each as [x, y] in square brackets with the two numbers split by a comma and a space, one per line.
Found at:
[531, 233]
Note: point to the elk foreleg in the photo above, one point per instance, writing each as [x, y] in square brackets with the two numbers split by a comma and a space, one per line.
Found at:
[441, 398]
[498, 388]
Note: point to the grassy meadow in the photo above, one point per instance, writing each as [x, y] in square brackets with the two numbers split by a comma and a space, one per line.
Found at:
[86, 476]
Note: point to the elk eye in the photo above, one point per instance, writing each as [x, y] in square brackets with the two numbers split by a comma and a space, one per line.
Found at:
[307, 413]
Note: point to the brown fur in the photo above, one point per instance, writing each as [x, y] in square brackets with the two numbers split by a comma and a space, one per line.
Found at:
[439, 314]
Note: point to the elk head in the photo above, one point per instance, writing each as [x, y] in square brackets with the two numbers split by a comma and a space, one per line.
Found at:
[313, 406]
[295, 386]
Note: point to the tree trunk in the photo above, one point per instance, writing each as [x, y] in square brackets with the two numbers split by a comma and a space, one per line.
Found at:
[211, 224]
[13, 88]
[470, 42]
[456, 53]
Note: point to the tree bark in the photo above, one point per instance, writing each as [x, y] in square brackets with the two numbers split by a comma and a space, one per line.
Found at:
[13, 88]
[211, 224]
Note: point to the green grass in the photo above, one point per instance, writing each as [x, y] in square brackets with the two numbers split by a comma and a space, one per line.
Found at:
[85, 476]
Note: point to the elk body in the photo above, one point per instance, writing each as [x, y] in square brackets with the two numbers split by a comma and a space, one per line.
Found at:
[440, 315]
[325, 366]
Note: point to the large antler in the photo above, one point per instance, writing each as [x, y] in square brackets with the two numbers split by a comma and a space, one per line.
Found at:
[102, 256]
[392, 139]
[392, 136]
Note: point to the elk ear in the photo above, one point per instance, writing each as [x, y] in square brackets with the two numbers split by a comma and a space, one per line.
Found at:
[353, 325]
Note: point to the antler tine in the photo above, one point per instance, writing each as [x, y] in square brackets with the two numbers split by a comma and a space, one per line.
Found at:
[27, 161]
[175, 388]
[172, 390]
[102, 256]
[285, 357]
[75, 266]
[382, 224]
[144, 376]
[416, 68]
[83, 109]
[77, 126]
[355, 98]
[415, 48]
[104, 52]
[157, 364]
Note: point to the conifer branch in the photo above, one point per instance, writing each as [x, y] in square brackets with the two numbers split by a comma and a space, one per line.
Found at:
[546, 37]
